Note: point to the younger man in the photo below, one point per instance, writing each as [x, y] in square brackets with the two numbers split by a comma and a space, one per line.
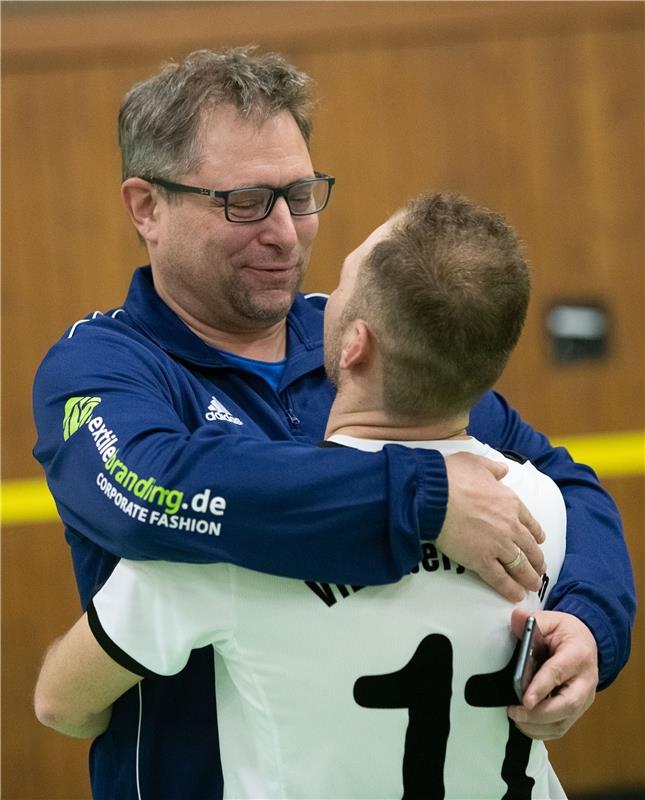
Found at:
[348, 691]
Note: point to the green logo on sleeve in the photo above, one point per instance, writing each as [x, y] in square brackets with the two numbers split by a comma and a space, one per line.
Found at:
[78, 411]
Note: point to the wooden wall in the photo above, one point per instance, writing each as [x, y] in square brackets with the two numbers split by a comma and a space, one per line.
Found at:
[532, 108]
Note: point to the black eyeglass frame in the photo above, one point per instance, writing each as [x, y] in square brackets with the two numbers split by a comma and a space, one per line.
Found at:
[276, 192]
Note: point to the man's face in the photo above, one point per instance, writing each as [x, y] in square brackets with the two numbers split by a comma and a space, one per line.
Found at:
[231, 276]
[336, 310]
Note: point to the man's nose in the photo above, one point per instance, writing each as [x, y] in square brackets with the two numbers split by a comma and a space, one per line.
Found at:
[278, 228]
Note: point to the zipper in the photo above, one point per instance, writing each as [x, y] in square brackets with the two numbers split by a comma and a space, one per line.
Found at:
[293, 419]
[294, 422]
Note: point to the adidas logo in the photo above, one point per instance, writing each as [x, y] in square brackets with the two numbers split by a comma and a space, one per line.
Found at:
[217, 411]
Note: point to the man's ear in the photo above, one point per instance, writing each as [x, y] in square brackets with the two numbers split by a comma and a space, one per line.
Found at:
[142, 204]
[357, 344]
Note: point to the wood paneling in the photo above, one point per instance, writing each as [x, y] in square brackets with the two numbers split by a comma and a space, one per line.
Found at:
[39, 602]
[39, 34]
[605, 747]
[534, 109]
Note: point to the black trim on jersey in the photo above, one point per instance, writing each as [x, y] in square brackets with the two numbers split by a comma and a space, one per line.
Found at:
[513, 456]
[327, 443]
[113, 650]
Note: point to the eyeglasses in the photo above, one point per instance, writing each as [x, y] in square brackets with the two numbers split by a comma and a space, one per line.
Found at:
[253, 203]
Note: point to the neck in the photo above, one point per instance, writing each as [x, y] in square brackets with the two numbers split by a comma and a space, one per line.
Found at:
[376, 424]
[268, 344]
[262, 344]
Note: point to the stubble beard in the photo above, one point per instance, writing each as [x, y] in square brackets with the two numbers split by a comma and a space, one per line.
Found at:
[264, 307]
[333, 348]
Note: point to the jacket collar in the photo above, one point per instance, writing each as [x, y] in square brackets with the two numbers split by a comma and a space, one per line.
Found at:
[149, 313]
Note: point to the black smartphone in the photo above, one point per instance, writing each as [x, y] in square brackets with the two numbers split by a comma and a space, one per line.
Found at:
[532, 654]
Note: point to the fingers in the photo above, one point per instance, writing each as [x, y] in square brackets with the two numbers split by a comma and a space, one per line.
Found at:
[547, 679]
[486, 523]
[512, 580]
[518, 620]
[529, 534]
[550, 719]
[524, 575]
[527, 572]
[531, 524]
[534, 555]
[570, 675]
[543, 732]
[498, 579]
[565, 685]
[554, 716]
[514, 562]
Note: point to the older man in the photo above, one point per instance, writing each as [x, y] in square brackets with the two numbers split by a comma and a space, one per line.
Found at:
[181, 426]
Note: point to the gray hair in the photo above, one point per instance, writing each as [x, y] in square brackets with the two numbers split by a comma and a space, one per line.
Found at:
[160, 117]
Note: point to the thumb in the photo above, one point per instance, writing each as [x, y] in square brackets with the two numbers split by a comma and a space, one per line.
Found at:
[518, 620]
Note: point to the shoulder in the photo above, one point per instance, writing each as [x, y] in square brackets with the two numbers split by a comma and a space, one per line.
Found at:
[317, 299]
[545, 502]
[543, 499]
[309, 306]
[94, 328]
[306, 318]
[97, 317]
[98, 343]
[533, 486]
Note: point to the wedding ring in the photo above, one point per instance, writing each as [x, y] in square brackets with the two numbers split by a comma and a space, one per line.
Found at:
[516, 561]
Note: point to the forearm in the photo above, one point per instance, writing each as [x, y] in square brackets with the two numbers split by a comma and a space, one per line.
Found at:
[77, 684]
[134, 468]
[336, 515]
[596, 582]
[88, 726]
[56, 701]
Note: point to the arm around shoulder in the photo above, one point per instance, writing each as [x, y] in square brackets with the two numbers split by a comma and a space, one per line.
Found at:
[135, 468]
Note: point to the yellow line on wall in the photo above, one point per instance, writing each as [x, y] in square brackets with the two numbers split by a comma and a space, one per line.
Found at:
[26, 501]
[612, 455]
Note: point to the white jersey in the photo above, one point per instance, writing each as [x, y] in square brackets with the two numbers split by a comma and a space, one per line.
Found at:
[330, 691]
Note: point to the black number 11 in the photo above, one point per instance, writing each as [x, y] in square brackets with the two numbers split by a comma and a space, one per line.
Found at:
[424, 687]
